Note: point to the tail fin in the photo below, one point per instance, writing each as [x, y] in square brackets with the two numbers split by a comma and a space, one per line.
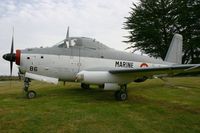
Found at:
[174, 54]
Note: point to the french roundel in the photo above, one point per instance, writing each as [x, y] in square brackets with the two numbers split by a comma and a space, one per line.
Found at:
[143, 65]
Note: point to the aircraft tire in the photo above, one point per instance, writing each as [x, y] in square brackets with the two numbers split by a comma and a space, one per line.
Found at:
[121, 95]
[31, 94]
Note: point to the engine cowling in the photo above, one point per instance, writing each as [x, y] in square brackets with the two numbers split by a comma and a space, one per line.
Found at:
[111, 86]
[102, 77]
[97, 77]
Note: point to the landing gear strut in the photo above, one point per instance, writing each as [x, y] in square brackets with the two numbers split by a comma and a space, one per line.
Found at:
[121, 95]
[30, 94]
[85, 86]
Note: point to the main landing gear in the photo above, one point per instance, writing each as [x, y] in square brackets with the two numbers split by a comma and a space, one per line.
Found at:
[85, 86]
[121, 95]
[30, 94]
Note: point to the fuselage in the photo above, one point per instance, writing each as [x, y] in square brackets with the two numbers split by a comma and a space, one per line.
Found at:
[90, 62]
[65, 60]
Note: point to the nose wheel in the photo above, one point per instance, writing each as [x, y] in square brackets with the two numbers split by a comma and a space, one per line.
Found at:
[30, 94]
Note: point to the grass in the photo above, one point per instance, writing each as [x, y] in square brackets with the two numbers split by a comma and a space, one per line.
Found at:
[153, 106]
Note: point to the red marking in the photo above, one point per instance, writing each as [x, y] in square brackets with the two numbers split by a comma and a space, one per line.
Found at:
[18, 55]
[143, 65]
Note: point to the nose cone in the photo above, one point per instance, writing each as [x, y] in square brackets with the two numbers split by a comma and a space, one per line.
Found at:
[5, 56]
[9, 57]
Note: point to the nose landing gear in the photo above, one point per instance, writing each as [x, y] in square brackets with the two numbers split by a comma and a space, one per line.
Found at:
[30, 94]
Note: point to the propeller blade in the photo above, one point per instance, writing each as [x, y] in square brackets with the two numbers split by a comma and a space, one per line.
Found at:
[11, 53]
[12, 45]
[11, 67]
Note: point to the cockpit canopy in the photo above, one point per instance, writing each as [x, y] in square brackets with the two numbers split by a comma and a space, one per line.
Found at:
[80, 42]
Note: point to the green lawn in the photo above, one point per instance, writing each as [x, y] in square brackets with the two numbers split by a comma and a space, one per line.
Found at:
[153, 106]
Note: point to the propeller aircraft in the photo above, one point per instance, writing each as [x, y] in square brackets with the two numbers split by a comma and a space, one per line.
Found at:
[85, 60]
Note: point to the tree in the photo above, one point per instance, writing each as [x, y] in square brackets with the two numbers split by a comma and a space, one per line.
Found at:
[152, 24]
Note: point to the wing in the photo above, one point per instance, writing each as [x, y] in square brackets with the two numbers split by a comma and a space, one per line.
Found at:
[124, 76]
[158, 71]
[41, 78]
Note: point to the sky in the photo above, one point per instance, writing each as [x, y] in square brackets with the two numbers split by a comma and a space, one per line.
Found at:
[44, 22]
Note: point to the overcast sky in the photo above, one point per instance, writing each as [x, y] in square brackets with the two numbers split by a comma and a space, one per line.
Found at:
[44, 23]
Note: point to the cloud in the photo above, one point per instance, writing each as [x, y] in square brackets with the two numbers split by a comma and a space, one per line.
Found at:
[44, 22]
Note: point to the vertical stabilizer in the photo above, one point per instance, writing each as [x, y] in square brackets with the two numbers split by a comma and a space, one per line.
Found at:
[174, 54]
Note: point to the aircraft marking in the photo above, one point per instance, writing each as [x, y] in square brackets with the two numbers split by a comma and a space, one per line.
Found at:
[124, 64]
[144, 65]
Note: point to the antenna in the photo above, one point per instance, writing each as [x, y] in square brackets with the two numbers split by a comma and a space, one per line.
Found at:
[67, 35]
[67, 39]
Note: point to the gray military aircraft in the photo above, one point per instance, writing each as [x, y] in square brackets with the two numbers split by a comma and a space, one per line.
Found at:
[85, 60]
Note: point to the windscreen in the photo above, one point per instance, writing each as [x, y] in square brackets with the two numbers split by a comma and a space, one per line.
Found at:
[66, 43]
